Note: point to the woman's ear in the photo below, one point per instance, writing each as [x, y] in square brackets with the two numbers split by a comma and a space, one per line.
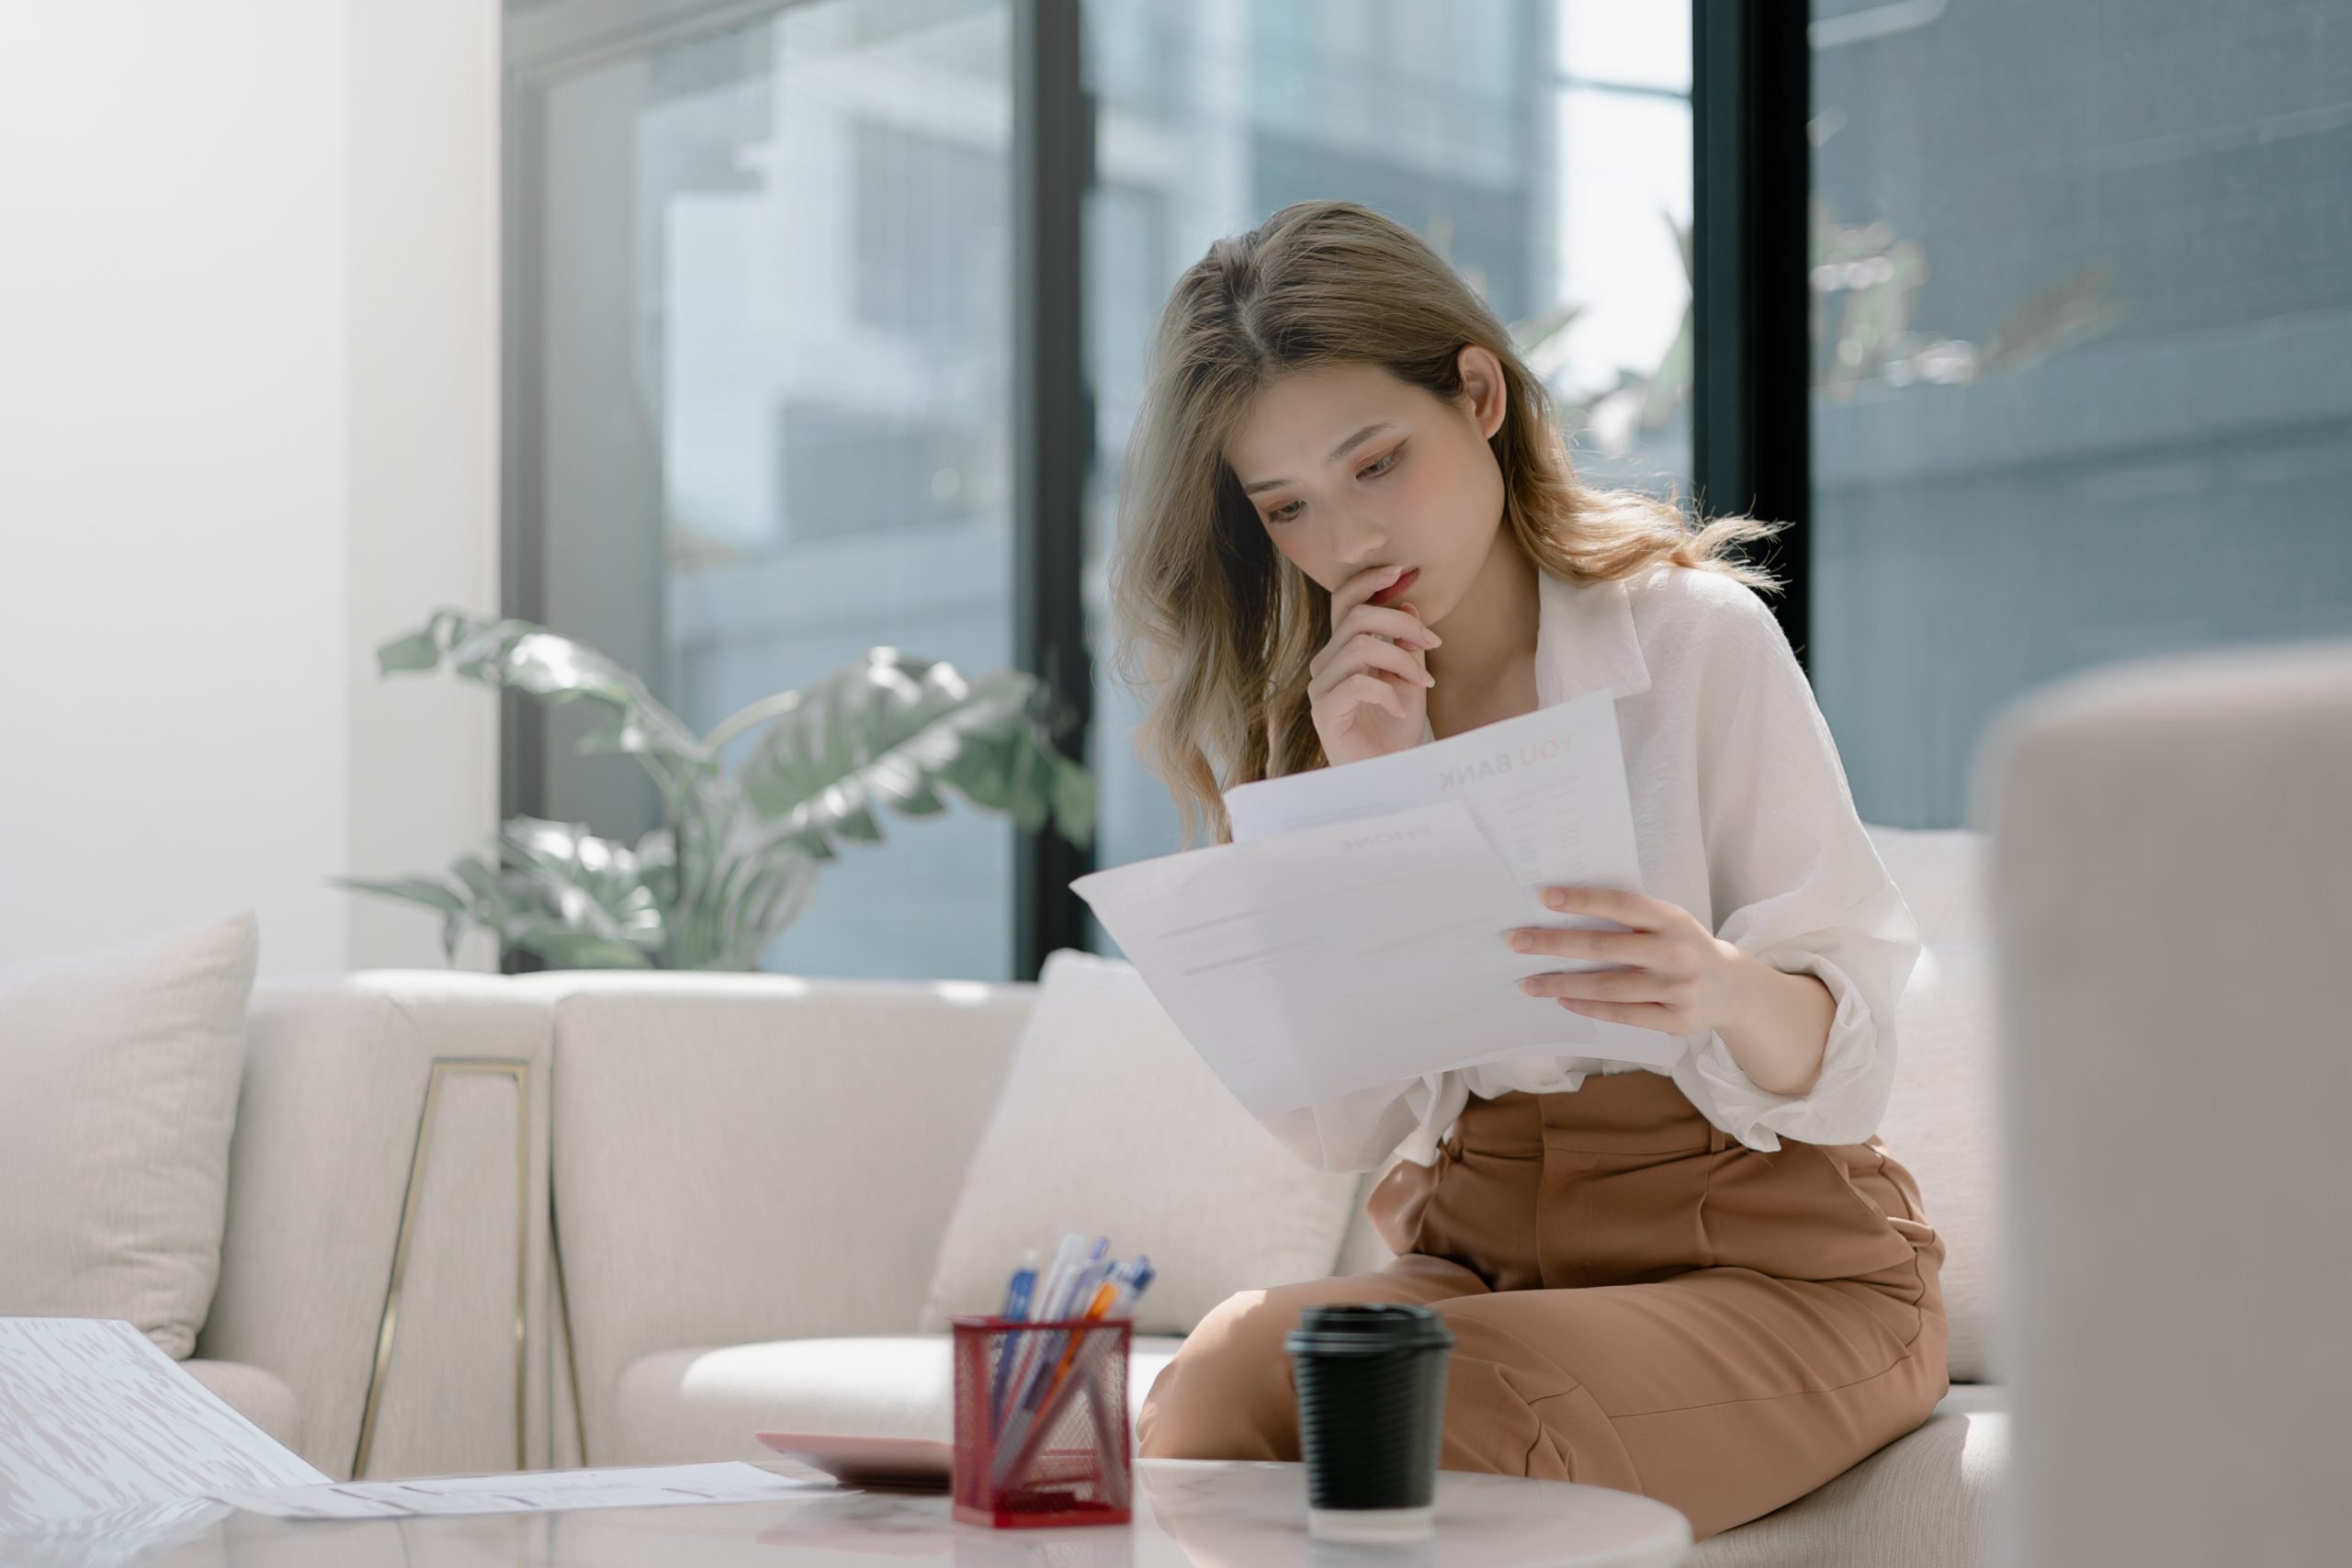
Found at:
[1486, 395]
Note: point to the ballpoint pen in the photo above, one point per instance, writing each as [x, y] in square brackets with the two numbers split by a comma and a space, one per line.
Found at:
[1045, 1297]
[1110, 1299]
[1017, 1291]
[1069, 1274]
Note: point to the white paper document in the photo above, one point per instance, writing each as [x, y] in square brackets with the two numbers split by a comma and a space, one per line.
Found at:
[533, 1491]
[1353, 934]
[95, 1421]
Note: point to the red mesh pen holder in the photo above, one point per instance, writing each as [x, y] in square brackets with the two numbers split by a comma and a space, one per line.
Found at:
[1041, 1422]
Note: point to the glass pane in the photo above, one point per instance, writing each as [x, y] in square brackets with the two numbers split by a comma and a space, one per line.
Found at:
[776, 431]
[2082, 282]
[1542, 146]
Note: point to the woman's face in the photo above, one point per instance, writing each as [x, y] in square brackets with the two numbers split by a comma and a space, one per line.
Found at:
[1351, 470]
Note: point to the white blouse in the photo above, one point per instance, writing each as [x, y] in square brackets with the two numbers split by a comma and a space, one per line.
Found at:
[1743, 816]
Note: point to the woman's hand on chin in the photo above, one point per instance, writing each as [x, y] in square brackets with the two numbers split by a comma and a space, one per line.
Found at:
[1368, 688]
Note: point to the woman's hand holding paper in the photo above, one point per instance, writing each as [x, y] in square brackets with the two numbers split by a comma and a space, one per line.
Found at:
[1679, 979]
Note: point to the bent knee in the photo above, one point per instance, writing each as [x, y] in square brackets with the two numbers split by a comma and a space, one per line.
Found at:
[1245, 1332]
[1243, 1336]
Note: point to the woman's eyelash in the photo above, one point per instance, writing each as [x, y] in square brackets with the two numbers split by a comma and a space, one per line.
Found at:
[1373, 470]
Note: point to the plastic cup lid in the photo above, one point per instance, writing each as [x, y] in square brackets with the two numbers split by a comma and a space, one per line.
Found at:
[1373, 1329]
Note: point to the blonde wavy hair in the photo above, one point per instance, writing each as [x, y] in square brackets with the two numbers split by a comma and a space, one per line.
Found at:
[1215, 627]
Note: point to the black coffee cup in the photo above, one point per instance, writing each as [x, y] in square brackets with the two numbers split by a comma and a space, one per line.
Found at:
[1370, 1383]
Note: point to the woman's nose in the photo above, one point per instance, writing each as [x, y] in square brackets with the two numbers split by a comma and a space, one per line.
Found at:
[1358, 541]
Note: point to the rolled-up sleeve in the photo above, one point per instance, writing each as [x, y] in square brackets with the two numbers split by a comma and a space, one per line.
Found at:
[1795, 881]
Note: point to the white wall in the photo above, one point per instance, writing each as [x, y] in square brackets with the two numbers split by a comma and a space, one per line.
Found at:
[422, 431]
[248, 429]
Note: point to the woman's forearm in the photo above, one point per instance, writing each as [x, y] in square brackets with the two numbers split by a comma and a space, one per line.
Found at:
[1779, 1025]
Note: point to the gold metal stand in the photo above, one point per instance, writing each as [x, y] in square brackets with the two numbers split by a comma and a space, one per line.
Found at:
[520, 1074]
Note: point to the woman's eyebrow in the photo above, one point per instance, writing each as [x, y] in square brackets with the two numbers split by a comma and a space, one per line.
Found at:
[1342, 450]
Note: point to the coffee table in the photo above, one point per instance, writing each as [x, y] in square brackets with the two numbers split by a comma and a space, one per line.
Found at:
[1188, 1513]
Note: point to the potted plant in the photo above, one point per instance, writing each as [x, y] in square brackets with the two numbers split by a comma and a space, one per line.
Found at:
[737, 857]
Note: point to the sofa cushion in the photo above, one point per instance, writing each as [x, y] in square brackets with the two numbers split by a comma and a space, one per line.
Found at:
[119, 1074]
[747, 1158]
[1110, 1125]
[1925, 1500]
[684, 1406]
[259, 1396]
[1942, 1120]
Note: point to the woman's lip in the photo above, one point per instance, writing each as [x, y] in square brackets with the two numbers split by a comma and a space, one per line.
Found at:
[1388, 595]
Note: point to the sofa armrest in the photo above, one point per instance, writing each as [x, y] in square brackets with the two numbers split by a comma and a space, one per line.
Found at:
[2169, 876]
[747, 1158]
[323, 1171]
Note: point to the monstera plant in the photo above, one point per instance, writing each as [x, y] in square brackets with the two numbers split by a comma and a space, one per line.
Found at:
[736, 860]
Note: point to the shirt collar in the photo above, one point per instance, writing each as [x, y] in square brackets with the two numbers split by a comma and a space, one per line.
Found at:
[1585, 640]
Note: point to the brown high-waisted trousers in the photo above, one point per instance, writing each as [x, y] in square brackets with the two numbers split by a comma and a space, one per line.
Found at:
[1638, 1302]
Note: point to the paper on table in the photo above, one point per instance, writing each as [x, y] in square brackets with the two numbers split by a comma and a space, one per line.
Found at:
[96, 1420]
[536, 1492]
[1354, 937]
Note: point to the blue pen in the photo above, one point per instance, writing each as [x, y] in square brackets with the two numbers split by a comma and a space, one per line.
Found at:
[1140, 1273]
[1016, 1290]
[1016, 1308]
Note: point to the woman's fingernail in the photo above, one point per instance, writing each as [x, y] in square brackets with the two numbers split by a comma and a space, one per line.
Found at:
[1523, 942]
[1556, 899]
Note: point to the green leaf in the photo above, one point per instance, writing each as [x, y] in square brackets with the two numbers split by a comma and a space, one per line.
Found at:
[583, 885]
[413, 889]
[569, 948]
[886, 733]
[551, 669]
[1073, 795]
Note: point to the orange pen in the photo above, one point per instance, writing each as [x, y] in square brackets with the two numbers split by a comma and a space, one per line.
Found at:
[1104, 1293]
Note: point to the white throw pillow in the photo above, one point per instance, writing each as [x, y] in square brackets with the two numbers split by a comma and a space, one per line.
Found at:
[119, 1074]
[1110, 1125]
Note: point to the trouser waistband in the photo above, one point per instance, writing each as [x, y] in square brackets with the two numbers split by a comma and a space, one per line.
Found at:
[1635, 1112]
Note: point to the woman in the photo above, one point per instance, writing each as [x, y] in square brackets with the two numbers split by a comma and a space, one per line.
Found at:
[1351, 527]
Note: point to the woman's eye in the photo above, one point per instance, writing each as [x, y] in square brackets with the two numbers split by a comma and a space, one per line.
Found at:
[1283, 513]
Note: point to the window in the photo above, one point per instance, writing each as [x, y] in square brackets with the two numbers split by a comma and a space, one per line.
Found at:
[2079, 287]
[2082, 388]
[771, 421]
[1542, 146]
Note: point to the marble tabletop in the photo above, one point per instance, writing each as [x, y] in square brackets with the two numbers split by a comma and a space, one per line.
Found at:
[1188, 1513]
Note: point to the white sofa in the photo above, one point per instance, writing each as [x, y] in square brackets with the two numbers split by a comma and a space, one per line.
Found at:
[750, 1175]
